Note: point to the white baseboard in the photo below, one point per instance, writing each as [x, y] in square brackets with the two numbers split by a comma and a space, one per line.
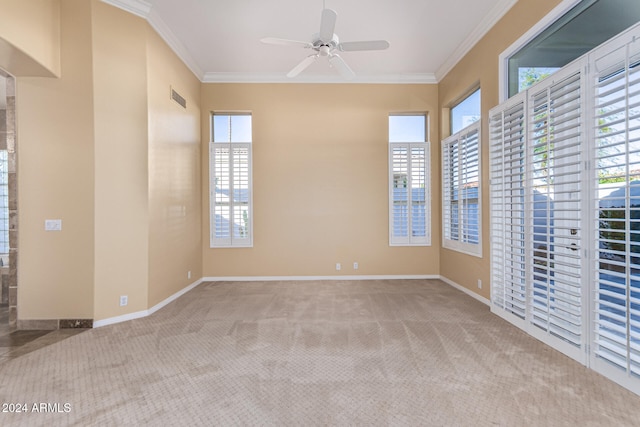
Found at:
[145, 313]
[465, 290]
[305, 278]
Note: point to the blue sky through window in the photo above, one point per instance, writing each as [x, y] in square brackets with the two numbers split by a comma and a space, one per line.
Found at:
[232, 128]
[407, 128]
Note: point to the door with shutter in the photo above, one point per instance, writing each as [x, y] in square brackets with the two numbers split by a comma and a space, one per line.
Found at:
[554, 227]
[536, 202]
[616, 264]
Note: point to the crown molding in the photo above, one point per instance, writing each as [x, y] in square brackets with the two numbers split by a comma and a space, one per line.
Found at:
[174, 43]
[144, 10]
[231, 77]
[492, 18]
[137, 7]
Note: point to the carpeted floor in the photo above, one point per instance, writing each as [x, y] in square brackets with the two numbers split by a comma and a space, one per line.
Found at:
[369, 353]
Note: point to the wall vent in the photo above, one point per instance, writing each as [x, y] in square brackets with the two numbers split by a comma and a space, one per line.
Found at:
[179, 99]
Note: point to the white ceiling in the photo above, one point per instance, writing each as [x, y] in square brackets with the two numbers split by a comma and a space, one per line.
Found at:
[219, 40]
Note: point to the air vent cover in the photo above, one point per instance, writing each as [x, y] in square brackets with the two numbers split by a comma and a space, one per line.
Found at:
[178, 98]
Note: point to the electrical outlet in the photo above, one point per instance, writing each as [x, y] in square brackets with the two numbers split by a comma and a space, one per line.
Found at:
[355, 265]
[338, 266]
[189, 274]
[53, 225]
[479, 284]
[124, 300]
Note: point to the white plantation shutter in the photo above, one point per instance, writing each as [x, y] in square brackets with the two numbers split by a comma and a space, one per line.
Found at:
[554, 225]
[231, 171]
[616, 264]
[408, 193]
[507, 161]
[461, 190]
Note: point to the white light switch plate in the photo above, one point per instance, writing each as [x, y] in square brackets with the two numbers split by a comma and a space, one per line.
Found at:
[53, 225]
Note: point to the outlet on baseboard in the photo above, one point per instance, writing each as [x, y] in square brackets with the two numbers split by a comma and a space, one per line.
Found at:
[124, 300]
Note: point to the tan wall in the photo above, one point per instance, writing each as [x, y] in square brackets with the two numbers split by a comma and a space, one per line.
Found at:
[481, 65]
[30, 37]
[175, 246]
[55, 179]
[121, 161]
[320, 175]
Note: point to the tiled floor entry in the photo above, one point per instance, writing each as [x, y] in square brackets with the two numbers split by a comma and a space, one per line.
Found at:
[14, 343]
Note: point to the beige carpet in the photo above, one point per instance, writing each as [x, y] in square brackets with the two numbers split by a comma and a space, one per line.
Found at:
[369, 353]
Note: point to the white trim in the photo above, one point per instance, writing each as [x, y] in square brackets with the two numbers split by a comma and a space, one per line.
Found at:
[226, 77]
[174, 43]
[161, 304]
[540, 26]
[145, 313]
[308, 278]
[466, 291]
[498, 11]
[139, 8]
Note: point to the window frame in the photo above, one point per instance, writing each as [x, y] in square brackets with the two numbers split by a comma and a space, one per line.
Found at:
[410, 239]
[503, 59]
[231, 241]
[448, 241]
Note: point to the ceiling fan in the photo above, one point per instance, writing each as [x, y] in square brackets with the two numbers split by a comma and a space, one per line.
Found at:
[325, 44]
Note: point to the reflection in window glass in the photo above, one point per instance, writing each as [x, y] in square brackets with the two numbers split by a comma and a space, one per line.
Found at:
[587, 25]
[466, 112]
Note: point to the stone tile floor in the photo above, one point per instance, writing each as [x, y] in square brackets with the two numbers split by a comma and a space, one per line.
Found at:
[14, 344]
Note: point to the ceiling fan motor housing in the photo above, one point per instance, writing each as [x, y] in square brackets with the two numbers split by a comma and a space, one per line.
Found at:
[325, 48]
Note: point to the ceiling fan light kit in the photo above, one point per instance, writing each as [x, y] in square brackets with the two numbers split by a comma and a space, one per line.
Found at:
[325, 44]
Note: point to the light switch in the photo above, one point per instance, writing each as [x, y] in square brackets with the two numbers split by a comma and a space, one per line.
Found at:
[53, 225]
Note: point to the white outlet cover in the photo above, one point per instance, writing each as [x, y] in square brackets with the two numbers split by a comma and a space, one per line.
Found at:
[53, 225]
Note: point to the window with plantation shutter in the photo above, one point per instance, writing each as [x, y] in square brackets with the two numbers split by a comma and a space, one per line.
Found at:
[409, 207]
[230, 181]
[461, 196]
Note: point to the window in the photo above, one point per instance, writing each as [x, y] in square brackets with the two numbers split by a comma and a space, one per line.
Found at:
[230, 181]
[409, 208]
[461, 191]
[465, 112]
[578, 30]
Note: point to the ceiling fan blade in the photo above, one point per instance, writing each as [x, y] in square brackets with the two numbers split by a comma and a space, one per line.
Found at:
[337, 62]
[285, 42]
[367, 45]
[302, 65]
[327, 25]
